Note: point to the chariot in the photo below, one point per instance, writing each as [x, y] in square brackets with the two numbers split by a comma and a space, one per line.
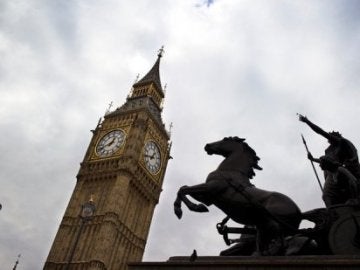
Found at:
[336, 232]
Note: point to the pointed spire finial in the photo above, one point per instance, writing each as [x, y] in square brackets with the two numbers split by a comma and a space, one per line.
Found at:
[109, 108]
[170, 127]
[137, 78]
[161, 51]
[97, 126]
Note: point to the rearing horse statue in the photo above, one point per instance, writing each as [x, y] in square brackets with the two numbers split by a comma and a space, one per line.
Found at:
[228, 187]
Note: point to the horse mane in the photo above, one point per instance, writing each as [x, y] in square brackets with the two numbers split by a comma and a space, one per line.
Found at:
[252, 155]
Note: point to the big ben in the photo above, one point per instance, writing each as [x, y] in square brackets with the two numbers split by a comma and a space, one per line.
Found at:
[122, 172]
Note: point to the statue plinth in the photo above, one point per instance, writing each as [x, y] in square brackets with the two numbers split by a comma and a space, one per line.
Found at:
[350, 262]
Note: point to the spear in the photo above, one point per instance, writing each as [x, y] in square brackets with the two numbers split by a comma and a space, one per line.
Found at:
[17, 262]
[312, 163]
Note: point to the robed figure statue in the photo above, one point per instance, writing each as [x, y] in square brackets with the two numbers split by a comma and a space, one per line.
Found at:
[340, 165]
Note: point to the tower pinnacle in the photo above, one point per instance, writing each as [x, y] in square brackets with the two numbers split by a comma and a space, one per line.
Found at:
[153, 76]
[161, 51]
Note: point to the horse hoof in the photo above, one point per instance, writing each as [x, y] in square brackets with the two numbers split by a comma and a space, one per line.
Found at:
[178, 212]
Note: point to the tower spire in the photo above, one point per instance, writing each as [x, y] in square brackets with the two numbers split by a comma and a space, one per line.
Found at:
[153, 76]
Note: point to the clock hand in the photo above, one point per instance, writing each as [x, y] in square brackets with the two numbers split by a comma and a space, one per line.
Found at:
[110, 143]
[151, 157]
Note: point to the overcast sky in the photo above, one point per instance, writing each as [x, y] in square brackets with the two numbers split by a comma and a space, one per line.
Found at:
[232, 68]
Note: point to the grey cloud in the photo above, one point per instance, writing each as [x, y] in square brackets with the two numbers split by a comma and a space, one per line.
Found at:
[63, 16]
[64, 62]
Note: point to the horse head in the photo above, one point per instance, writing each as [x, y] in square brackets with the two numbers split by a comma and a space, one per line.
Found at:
[224, 147]
[235, 145]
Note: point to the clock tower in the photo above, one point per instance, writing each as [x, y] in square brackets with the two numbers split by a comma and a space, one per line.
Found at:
[122, 172]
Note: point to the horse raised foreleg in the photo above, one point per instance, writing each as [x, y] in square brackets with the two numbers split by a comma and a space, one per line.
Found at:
[198, 192]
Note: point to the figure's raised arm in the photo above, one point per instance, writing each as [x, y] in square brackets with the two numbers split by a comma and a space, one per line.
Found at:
[316, 128]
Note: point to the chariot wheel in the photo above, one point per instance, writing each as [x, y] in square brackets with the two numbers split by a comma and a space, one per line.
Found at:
[344, 235]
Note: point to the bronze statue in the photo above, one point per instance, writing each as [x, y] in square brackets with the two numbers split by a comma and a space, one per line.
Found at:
[340, 164]
[272, 219]
[228, 187]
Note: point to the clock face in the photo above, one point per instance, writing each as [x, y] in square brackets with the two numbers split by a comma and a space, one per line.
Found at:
[110, 143]
[152, 157]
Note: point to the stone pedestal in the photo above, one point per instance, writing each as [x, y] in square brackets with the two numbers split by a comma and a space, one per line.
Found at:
[253, 263]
